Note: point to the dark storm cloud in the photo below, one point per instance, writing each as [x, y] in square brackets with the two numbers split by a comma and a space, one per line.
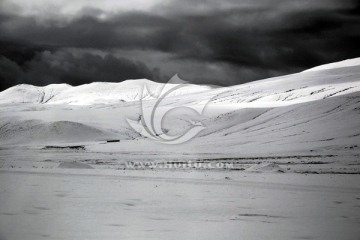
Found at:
[205, 41]
[64, 67]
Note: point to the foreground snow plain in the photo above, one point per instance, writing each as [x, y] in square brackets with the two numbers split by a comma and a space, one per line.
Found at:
[93, 204]
[292, 142]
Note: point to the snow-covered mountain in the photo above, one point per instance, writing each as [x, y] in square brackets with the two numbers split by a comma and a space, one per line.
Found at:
[87, 94]
[314, 84]
[312, 112]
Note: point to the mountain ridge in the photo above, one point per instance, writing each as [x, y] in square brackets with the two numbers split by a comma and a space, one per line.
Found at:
[317, 78]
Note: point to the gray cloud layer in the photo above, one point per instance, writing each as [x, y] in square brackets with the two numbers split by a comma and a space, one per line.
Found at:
[225, 43]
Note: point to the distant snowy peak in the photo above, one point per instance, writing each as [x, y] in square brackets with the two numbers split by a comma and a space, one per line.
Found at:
[92, 93]
[25, 93]
[346, 63]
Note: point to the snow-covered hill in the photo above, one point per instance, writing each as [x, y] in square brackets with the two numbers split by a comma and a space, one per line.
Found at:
[314, 84]
[342, 64]
[87, 94]
[312, 112]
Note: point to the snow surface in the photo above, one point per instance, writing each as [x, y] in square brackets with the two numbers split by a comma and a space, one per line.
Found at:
[293, 143]
[96, 204]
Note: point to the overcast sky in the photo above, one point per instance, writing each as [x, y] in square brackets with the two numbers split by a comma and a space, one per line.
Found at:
[205, 41]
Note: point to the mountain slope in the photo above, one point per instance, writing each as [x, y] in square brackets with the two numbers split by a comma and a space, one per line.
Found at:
[87, 94]
[312, 112]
